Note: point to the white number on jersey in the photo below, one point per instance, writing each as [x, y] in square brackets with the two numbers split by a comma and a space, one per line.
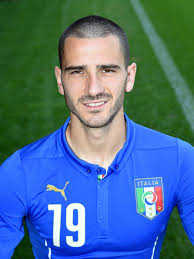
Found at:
[80, 227]
[56, 223]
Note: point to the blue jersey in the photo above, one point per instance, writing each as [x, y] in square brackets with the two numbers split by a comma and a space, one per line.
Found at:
[70, 213]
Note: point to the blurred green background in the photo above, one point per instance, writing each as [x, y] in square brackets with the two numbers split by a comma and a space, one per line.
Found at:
[31, 106]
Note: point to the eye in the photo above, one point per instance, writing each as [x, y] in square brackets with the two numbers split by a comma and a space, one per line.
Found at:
[76, 72]
[108, 70]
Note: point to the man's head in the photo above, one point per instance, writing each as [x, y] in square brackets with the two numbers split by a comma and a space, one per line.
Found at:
[94, 27]
[94, 73]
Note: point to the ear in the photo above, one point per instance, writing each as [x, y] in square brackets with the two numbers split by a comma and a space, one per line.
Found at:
[58, 78]
[131, 71]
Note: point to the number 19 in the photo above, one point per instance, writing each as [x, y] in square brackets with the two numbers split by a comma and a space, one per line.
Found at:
[80, 227]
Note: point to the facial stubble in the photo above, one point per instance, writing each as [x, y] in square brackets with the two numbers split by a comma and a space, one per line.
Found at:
[113, 112]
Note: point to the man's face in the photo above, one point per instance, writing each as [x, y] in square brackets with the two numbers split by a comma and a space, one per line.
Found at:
[94, 79]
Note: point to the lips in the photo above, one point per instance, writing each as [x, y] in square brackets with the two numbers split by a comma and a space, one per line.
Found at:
[95, 104]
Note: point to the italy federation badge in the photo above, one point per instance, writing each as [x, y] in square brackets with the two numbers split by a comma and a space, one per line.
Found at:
[149, 196]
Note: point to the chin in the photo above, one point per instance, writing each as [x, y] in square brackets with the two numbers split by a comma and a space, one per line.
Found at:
[96, 119]
[97, 122]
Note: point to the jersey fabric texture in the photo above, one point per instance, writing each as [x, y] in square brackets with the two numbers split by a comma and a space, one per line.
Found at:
[70, 213]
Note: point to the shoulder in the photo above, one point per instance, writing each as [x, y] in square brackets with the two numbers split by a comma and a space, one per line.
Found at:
[146, 138]
[46, 147]
[186, 156]
[174, 149]
[50, 146]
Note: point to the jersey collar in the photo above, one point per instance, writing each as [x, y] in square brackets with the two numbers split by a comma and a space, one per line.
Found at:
[119, 160]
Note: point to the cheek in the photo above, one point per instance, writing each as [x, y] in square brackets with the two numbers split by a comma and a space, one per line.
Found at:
[72, 93]
[74, 85]
[118, 87]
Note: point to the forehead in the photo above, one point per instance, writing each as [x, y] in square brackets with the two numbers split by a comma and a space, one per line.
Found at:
[86, 51]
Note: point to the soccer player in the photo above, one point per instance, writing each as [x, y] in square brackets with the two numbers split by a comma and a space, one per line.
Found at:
[101, 186]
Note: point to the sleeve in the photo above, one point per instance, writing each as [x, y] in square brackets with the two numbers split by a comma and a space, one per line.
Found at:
[185, 190]
[12, 205]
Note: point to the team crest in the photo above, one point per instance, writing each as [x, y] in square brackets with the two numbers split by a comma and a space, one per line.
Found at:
[149, 196]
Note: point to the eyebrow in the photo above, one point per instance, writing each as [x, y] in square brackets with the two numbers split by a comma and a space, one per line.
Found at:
[83, 67]
[74, 68]
[109, 66]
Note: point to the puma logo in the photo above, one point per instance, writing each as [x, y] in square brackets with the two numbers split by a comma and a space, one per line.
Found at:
[55, 189]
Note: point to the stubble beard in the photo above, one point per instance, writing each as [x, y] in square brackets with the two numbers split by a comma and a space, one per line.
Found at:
[96, 123]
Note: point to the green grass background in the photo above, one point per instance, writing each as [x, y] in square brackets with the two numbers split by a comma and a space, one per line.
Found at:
[31, 106]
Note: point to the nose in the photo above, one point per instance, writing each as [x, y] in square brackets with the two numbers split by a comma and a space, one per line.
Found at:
[94, 85]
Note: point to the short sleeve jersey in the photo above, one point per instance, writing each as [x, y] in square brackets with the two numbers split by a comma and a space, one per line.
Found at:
[70, 213]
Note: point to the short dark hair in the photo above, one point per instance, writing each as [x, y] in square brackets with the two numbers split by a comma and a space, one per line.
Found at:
[94, 26]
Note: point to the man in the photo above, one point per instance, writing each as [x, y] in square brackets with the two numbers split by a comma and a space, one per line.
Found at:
[101, 186]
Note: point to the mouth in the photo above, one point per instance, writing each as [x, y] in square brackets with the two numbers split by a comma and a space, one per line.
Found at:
[95, 105]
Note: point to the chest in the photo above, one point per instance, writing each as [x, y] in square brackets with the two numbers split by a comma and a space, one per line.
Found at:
[126, 211]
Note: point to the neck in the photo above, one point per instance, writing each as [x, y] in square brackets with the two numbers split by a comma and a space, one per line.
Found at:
[97, 145]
